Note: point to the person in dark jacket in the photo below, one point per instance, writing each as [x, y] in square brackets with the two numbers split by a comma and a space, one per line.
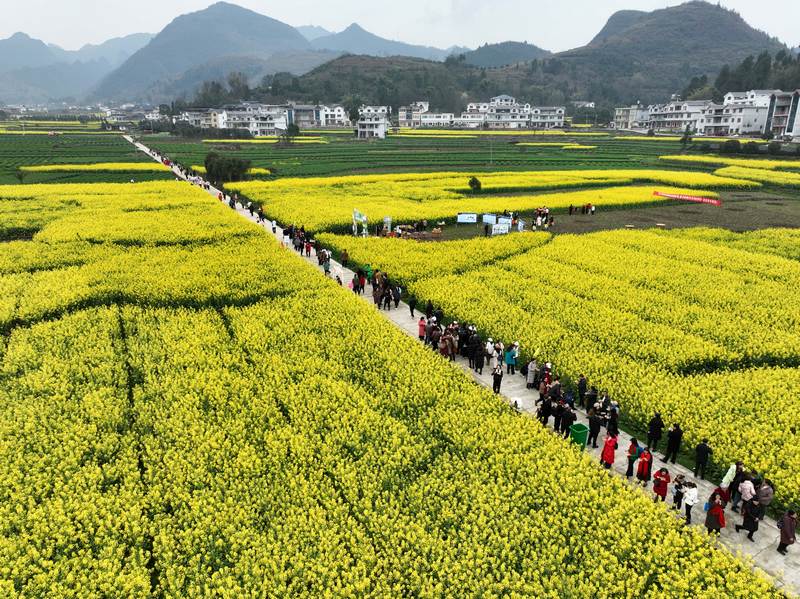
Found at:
[594, 428]
[702, 453]
[654, 431]
[478, 356]
[613, 423]
[545, 410]
[428, 310]
[788, 527]
[412, 305]
[558, 412]
[567, 420]
[497, 378]
[752, 513]
[674, 437]
[583, 385]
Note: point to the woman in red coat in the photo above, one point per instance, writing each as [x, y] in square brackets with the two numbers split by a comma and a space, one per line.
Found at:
[607, 455]
[715, 517]
[660, 483]
[645, 467]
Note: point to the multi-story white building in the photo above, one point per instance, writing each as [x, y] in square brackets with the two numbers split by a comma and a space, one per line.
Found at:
[635, 116]
[334, 116]
[411, 115]
[196, 118]
[732, 119]
[547, 117]
[385, 111]
[504, 112]
[677, 115]
[782, 117]
[437, 119]
[372, 125]
[470, 120]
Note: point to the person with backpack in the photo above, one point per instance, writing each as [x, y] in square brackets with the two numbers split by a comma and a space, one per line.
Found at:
[633, 454]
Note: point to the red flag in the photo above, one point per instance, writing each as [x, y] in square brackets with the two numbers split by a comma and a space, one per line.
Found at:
[685, 198]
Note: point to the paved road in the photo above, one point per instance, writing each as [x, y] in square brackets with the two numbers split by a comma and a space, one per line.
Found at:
[784, 570]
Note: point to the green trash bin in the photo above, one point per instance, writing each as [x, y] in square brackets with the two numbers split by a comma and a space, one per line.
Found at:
[579, 434]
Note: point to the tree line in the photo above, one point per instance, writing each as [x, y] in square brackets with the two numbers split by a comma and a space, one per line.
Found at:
[764, 71]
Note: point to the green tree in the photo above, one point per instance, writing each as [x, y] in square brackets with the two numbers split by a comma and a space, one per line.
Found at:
[687, 137]
[291, 132]
[774, 148]
[475, 184]
[224, 169]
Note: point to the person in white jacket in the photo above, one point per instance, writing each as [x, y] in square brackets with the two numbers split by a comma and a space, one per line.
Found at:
[689, 499]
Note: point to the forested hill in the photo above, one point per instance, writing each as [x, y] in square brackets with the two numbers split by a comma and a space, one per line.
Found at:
[636, 56]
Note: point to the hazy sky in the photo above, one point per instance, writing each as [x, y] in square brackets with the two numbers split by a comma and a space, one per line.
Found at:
[552, 24]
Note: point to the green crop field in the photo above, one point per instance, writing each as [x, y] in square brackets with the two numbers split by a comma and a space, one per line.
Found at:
[18, 150]
[344, 155]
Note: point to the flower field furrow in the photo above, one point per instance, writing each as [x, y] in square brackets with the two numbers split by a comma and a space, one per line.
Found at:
[773, 177]
[99, 167]
[328, 203]
[747, 163]
[231, 423]
[408, 262]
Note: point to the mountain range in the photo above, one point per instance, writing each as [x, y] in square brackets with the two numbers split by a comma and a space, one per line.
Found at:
[636, 55]
[643, 56]
[33, 71]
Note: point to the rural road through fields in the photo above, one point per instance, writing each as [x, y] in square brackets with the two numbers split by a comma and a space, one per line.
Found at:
[784, 570]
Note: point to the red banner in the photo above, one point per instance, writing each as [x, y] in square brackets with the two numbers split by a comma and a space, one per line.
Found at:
[685, 198]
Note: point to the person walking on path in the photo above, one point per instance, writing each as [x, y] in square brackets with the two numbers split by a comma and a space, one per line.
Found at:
[752, 513]
[345, 258]
[745, 492]
[702, 453]
[690, 498]
[715, 516]
[582, 388]
[497, 378]
[655, 429]
[678, 489]
[479, 358]
[511, 358]
[732, 478]
[765, 492]
[421, 328]
[595, 422]
[674, 437]
[788, 527]
[567, 420]
[607, 455]
[645, 467]
[660, 484]
[533, 372]
[633, 454]
[412, 305]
